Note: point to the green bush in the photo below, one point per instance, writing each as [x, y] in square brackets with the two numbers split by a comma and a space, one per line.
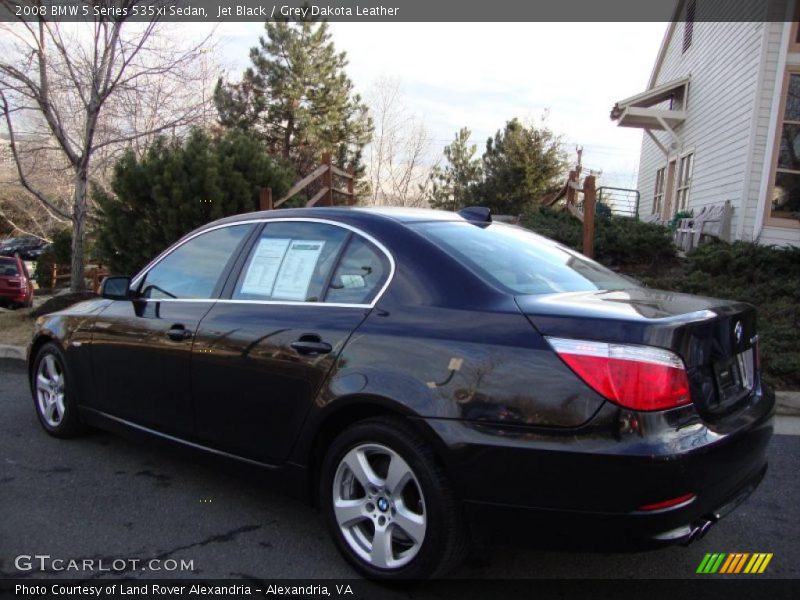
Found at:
[59, 253]
[681, 214]
[619, 241]
[176, 186]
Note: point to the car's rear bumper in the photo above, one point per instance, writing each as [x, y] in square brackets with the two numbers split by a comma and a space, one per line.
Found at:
[515, 480]
[606, 530]
[11, 295]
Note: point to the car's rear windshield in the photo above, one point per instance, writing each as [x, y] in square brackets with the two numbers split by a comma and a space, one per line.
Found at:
[8, 267]
[520, 261]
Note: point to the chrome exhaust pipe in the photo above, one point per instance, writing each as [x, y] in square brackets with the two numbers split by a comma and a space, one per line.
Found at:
[698, 530]
[702, 529]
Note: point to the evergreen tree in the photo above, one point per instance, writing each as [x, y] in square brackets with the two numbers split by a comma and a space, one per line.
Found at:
[297, 97]
[178, 186]
[521, 164]
[453, 187]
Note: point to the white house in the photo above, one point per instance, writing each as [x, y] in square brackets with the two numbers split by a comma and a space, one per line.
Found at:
[721, 117]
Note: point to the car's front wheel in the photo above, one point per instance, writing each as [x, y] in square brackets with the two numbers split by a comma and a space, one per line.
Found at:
[52, 394]
[388, 504]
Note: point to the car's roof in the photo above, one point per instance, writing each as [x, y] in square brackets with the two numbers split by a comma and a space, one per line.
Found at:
[410, 215]
[397, 214]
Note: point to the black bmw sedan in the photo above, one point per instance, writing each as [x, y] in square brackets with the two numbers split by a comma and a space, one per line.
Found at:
[425, 377]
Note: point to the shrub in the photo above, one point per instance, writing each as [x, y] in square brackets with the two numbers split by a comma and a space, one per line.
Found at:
[619, 241]
[59, 253]
[177, 186]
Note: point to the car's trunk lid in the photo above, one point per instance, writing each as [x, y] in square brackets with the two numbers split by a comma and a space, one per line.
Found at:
[715, 338]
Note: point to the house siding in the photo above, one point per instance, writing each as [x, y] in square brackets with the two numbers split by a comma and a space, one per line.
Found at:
[723, 62]
[761, 148]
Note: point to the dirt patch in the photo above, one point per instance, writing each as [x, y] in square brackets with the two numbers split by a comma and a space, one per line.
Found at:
[16, 326]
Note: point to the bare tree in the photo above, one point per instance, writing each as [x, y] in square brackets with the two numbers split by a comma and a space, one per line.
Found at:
[84, 89]
[399, 152]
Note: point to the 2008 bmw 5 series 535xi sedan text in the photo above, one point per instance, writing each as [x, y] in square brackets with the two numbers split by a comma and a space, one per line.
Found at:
[425, 377]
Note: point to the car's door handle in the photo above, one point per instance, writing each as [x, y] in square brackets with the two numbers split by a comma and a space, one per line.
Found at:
[178, 333]
[311, 345]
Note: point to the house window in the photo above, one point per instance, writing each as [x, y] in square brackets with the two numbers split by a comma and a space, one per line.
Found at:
[685, 168]
[688, 24]
[658, 194]
[785, 199]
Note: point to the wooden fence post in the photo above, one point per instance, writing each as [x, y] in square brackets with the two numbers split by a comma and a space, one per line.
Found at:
[327, 180]
[588, 216]
[265, 199]
[573, 177]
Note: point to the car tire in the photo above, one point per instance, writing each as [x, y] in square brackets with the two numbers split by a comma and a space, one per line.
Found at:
[53, 397]
[418, 525]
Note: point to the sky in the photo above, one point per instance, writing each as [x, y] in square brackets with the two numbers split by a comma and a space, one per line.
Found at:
[480, 75]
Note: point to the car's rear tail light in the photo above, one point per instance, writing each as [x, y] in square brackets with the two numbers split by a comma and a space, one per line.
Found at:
[671, 503]
[636, 377]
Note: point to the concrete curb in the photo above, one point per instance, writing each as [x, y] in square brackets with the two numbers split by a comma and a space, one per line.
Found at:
[13, 352]
[788, 403]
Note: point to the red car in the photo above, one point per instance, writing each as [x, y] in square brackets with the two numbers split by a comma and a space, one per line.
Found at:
[16, 289]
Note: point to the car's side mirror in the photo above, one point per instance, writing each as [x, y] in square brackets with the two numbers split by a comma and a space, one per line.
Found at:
[116, 288]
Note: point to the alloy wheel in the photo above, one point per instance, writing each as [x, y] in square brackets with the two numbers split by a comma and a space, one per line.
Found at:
[50, 390]
[379, 506]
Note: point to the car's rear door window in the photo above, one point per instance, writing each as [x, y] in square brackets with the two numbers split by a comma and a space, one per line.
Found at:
[520, 261]
[291, 261]
[360, 274]
[194, 269]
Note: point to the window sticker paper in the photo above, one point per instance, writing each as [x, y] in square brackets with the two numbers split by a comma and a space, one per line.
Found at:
[264, 266]
[297, 269]
[353, 281]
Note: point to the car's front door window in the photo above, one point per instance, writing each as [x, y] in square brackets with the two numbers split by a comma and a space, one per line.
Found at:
[193, 270]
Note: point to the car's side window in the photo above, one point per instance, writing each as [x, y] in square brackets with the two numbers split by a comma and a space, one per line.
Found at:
[360, 274]
[194, 269]
[291, 261]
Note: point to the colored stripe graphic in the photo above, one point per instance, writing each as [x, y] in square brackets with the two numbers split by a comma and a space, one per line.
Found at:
[741, 562]
[732, 559]
[734, 562]
[711, 563]
[703, 563]
[758, 563]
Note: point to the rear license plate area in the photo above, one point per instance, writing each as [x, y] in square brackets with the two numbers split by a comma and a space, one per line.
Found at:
[734, 376]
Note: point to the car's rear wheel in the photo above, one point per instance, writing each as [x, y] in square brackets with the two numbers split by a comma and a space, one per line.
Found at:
[52, 394]
[388, 504]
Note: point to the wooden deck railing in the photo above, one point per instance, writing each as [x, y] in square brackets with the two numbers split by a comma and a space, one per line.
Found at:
[328, 193]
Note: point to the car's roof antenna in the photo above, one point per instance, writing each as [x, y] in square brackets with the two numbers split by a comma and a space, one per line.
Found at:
[481, 214]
